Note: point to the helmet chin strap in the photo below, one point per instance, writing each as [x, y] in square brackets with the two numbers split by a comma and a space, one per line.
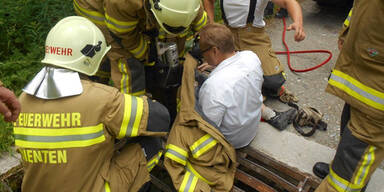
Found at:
[54, 83]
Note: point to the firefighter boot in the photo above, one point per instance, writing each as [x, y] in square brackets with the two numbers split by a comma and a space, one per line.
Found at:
[282, 119]
[321, 169]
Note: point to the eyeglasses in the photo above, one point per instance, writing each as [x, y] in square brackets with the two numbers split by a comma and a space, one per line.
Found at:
[205, 50]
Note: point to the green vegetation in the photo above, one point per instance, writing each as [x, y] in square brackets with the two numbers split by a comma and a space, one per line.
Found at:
[218, 17]
[24, 25]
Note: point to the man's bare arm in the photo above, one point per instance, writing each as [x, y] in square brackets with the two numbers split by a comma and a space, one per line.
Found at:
[294, 10]
[209, 6]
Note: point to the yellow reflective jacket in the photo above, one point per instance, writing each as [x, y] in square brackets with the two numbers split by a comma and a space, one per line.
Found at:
[129, 19]
[67, 144]
[198, 158]
[358, 75]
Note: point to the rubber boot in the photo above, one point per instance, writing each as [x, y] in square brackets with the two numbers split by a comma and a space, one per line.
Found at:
[321, 169]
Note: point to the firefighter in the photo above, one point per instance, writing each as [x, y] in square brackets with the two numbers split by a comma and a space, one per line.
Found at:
[321, 169]
[245, 19]
[357, 79]
[143, 30]
[9, 105]
[68, 124]
[198, 157]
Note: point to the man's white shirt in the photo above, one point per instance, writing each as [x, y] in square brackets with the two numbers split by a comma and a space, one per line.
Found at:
[236, 12]
[231, 97]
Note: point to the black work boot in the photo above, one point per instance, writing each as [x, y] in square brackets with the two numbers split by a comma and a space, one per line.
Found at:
[282, 119]
[321, 169]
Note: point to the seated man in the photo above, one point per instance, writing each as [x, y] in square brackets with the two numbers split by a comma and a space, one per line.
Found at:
[231, 96]
[68, 124]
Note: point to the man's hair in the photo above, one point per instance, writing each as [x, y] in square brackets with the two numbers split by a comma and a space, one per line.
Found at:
[217, 35]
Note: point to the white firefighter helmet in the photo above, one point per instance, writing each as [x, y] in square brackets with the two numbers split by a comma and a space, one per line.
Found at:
[175, 16]
[77, 44]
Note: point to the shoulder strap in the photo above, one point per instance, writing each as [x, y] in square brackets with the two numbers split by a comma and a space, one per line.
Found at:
[251, 12]
[223, 12]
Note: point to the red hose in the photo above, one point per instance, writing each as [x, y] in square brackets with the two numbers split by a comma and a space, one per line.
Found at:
[296, 52]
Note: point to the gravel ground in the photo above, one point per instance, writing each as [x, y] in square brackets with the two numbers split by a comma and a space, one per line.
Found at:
[321, 26]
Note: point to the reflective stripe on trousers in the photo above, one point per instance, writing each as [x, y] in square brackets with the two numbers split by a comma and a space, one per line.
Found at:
[154, 161]
[359, 180]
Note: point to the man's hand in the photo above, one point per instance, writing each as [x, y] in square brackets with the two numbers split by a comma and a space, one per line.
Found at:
[294, 10]
[9, 105]
[205, 67]
[299, 31]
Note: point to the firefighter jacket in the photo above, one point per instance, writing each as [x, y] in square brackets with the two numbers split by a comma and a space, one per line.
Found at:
[358, 75]
[67, 144]
[198, 158]
[133, 25]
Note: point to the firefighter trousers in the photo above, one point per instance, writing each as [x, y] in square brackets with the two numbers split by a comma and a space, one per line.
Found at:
[359, 153]
[257, 40]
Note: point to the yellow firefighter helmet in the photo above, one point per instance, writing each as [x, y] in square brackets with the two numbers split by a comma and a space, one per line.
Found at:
[77, 44]
[175, 16]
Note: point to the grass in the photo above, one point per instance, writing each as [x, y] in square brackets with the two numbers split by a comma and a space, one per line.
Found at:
[24, 25]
